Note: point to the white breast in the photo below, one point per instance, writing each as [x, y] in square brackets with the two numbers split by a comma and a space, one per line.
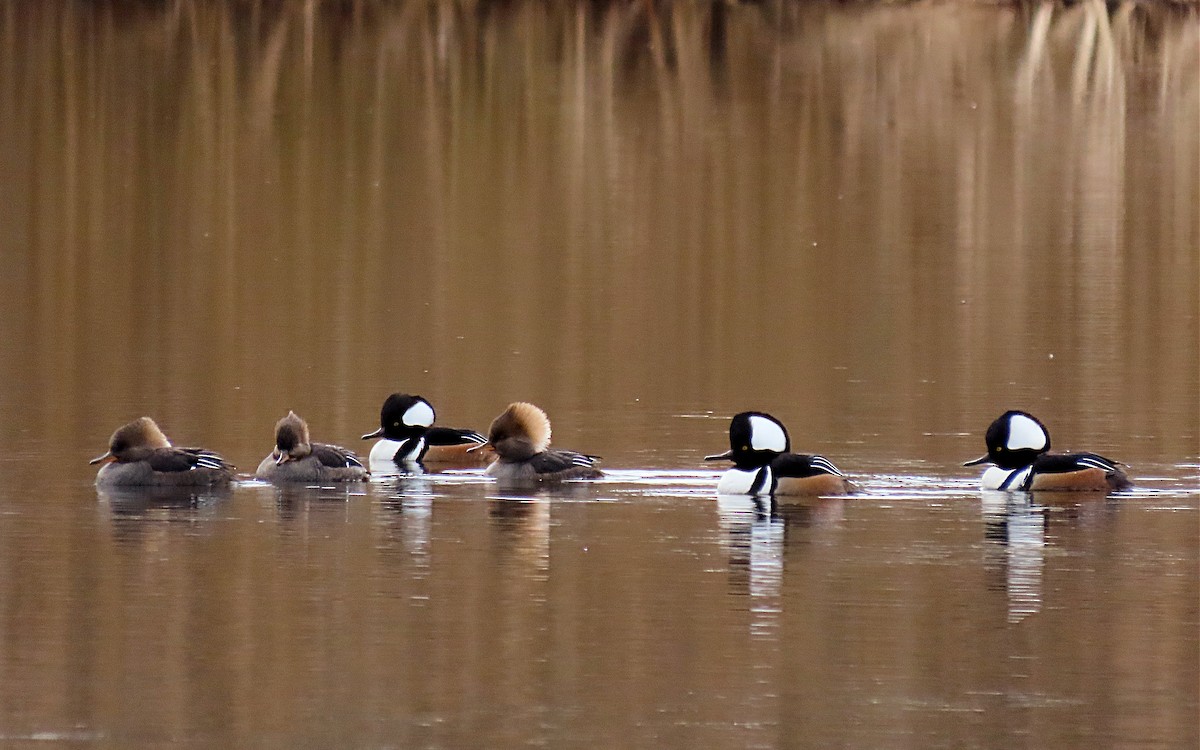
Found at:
[385, 450]
[738, 482]
[996, 478]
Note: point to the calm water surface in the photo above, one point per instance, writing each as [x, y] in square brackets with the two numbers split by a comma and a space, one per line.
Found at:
[885, 226]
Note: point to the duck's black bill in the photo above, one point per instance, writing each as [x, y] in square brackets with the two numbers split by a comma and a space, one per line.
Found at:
[99, 459]
[726, 456]
[981, 460]
[374, 434]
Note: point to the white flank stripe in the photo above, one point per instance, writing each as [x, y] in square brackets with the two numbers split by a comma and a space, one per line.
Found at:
[1096, 463]
[208, 462]
[826, 465]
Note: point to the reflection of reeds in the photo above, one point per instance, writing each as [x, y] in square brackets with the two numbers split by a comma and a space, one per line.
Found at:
[383, 163]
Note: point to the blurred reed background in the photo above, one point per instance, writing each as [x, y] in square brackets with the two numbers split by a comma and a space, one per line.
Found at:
[883, 222]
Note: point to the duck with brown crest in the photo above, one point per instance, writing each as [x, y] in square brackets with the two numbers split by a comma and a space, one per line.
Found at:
[521, 438]
[140, 455]
[296, 458]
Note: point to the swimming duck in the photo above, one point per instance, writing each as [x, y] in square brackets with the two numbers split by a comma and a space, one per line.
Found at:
[521, 436]
[139, 454]
[1018, 447]
[297, 459]
[762, 464]
[409, 437]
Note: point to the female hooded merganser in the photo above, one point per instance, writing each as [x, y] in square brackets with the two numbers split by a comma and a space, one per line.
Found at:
[520, 436]
[297, 459]
[139, 454]
[1018, 449]
[762, 464]
[406, 426]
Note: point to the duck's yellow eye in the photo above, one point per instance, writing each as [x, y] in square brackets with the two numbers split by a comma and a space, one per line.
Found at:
[395, 424]
[745, 447]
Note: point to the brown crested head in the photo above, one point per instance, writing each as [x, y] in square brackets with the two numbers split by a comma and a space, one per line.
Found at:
[291, 437]
[142, 432]
[133, 440]
[520, 432]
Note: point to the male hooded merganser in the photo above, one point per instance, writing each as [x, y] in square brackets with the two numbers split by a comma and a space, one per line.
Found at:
[520, 436]
[139, 454]
[1018, 449]
[297, 459]
[406, 426]
[762, 464]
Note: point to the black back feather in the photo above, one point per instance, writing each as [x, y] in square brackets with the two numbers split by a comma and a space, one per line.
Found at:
[335, 456]
[450, 436]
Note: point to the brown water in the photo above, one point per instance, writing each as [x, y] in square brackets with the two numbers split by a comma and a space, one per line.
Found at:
[883, 225]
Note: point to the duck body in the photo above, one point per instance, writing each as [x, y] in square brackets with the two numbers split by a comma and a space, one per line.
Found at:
[326, 463]
[1019, 453]
[805, 474]
[547, 466]
[140, 455]
[296, 458]
[407, 436]
[520, 437]
[435, 445]
[1078, 472]
[763, 465]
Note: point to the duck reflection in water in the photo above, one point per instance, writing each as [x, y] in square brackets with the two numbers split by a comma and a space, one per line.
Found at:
[294, 500]
[134, 500]
[522, 532]
[1016, 525]
[520, 515]
[406, 522]
[138, 513]
[760, 535]
[401, 487]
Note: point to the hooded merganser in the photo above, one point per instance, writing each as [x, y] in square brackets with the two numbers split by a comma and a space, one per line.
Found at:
[406, 426]
[139, 454]
[297, 459]
[762, 464]
[520, 436]
[1018, 449]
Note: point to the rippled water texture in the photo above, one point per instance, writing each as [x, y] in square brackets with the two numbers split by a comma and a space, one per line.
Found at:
[884, 225]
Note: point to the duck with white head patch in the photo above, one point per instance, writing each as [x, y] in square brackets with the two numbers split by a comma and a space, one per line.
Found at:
[1018, 447]
[409, 437]
[520, 436]
[297, 459]
[140, 455]
[763, 463]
